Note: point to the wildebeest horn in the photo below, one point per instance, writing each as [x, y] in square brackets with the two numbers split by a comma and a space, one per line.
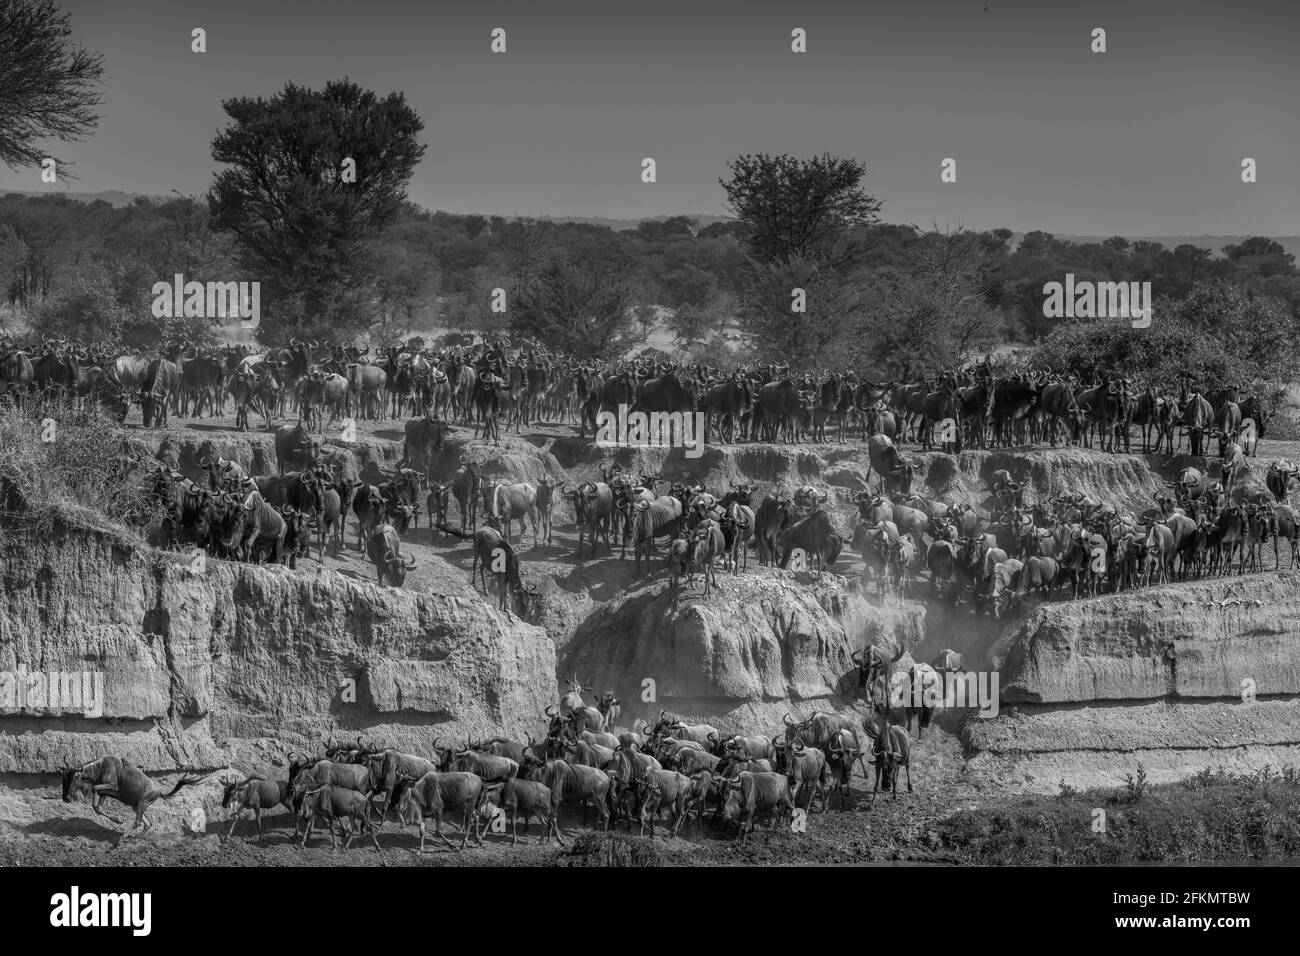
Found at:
[788, 722]
[550, 711]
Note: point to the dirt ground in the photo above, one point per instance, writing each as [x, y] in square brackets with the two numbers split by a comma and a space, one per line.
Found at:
[37, 828]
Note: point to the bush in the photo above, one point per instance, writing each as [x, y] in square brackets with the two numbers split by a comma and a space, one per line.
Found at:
[1153, 355]
[87, 466]
[1212, 815]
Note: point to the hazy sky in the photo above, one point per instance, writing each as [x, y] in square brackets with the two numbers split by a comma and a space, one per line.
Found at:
[1146, 138]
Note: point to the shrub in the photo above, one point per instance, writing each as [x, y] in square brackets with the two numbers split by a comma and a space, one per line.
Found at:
[87, 467]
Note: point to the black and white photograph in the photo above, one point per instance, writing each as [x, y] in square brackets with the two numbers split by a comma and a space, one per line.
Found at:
[692, 435]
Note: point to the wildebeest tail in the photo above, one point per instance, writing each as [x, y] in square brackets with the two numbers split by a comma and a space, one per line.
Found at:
[183, 782]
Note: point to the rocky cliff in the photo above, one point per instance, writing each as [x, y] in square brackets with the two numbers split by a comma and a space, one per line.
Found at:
[1198, 639]
[201, 663]
[1178, 678]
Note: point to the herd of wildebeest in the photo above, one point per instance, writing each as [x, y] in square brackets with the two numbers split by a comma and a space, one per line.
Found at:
[1070, 544]
[665, 768]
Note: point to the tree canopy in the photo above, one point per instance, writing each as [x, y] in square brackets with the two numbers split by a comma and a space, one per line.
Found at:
[48, 86]
[313, 178]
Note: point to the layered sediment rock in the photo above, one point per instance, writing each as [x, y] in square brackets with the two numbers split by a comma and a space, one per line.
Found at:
[197, 662]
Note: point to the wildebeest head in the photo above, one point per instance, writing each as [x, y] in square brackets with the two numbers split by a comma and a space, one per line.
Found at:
[396, 569]
[730, 794]
[872, 662]
[75, 785]
[311, 799]
[842, 750]
[400, 514]
[230, 786]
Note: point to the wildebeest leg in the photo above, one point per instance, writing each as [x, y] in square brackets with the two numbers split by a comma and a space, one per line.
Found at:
[479, 831]
[105, 791]
[863, 764]
[464, 838]
[235, 819]
[139, 817]
[908, 767]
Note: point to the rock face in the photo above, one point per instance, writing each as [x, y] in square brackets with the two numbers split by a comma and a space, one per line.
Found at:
[1036, 748]
[1178, 678]
[1195, 640]
[765, 643]
[200, 664]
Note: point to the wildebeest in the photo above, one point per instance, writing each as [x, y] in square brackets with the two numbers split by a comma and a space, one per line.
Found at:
[593, 511]
[774, 514]
[806, 767]
[815, 536]
[466, 487]
[505, 504]
[750, 792]
[434, 794]
[295, 448]
[890, 749]
[385, 550]
[493, 553]
[586, 785]
[664, 788]
[112, 777]
[257, 794]
[388, 766]
[337, 805]
[530, 798]
[423, 437]
[708, 545]
[256, 526]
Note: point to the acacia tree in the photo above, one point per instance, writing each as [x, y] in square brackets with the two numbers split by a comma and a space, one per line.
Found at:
[816, 325]
[47, 85]
[932, 312]
[798, 218]
[798, 207]
[303, 228]
[580, 301]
